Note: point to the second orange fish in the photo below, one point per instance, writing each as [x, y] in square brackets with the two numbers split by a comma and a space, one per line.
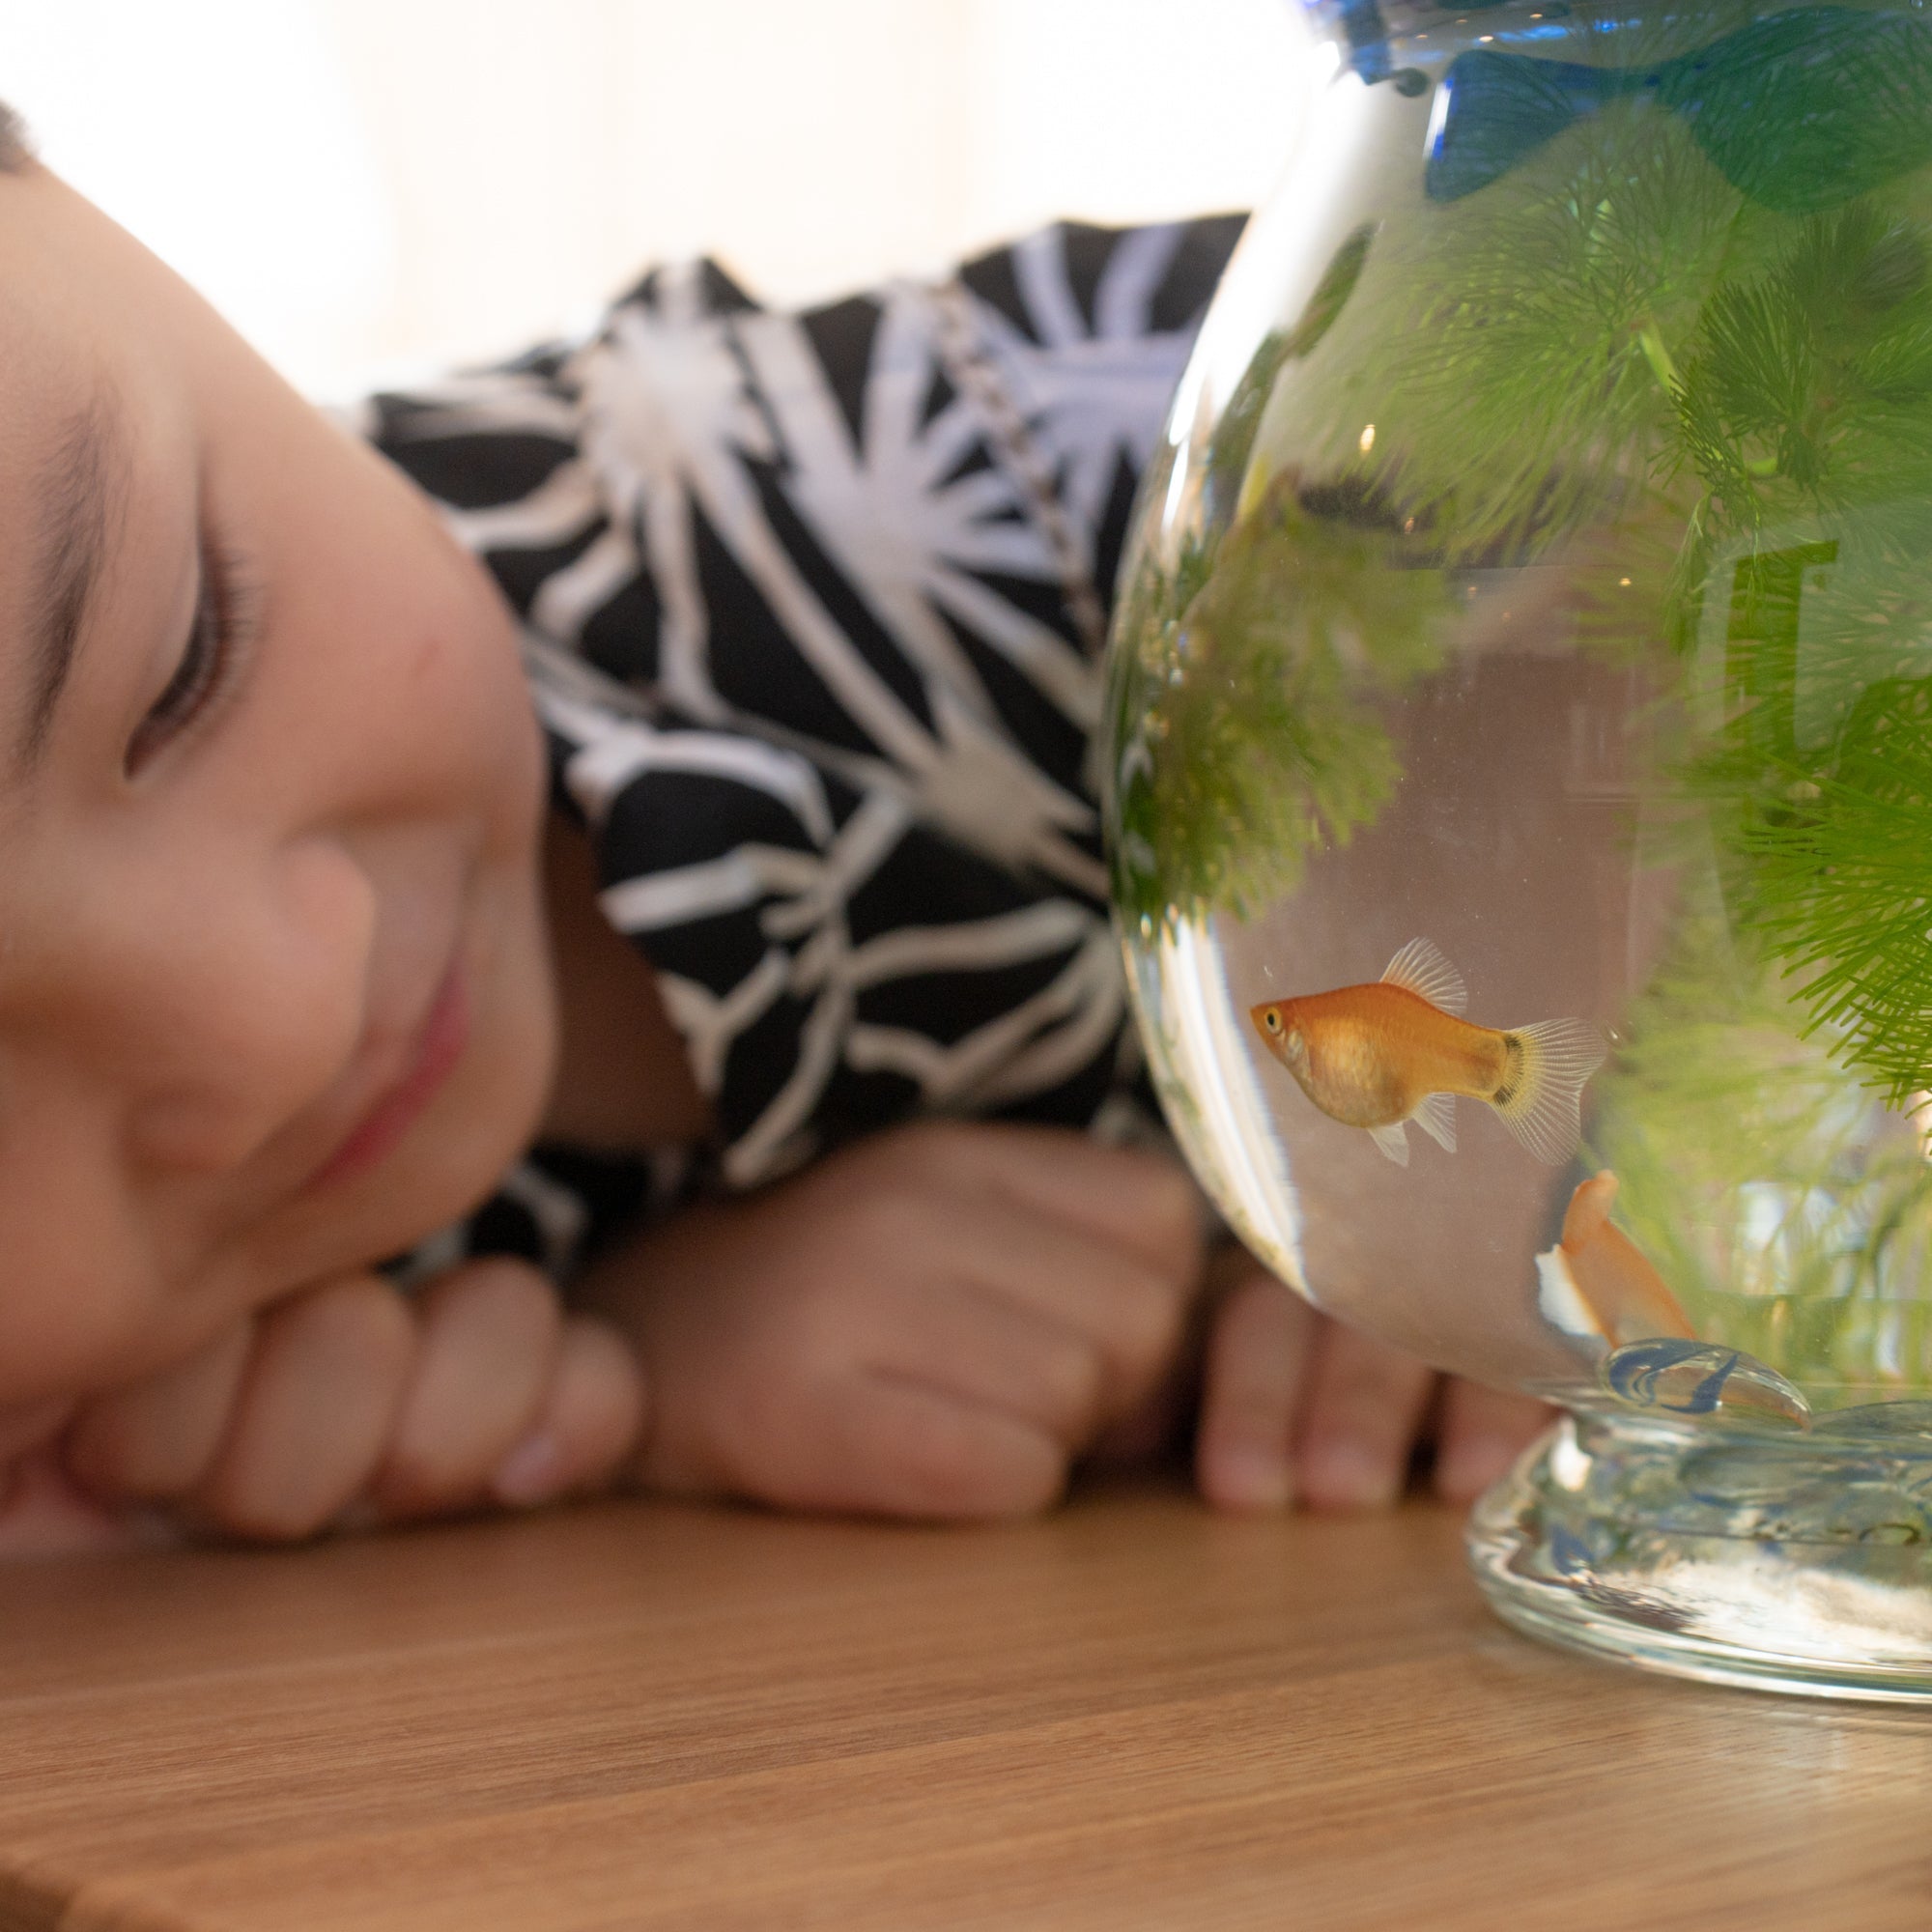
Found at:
[1375, 1056]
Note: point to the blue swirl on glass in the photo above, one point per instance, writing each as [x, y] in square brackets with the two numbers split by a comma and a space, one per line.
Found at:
[1636, 1373]
[1800, 111]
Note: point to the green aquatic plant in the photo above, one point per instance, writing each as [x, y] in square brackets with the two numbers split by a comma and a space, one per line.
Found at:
[1736, 407]
[1234, 437]
[1805, 408]
[1245, 726]
[1516, 351]
[1716, 1086]
[1712, 405]
[1810, 387]
[1828, 863]
[1248, 707]
[1789, 1222]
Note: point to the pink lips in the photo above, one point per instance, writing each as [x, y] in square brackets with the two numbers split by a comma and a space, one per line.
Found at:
[439, 1046]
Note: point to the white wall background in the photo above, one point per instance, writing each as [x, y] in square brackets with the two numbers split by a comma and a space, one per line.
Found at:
[366, 184]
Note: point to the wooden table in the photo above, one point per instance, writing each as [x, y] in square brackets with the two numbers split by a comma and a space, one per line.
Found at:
[1129, 1715]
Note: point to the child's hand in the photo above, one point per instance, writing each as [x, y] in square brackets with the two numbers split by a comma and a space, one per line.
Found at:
[933, 1323]
[347, 1398]
[1296, 1407]
[42, 1512]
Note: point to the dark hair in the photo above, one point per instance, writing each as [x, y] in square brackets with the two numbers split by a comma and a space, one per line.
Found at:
[15, 150]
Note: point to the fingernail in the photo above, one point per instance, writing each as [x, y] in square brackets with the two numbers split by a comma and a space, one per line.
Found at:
[1343, 1475]
[530, 1473]
[1242, 1478]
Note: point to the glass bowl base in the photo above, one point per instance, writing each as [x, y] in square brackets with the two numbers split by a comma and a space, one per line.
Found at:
[1800, 1563]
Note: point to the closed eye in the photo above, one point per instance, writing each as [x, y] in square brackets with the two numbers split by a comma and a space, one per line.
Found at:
[210, 659]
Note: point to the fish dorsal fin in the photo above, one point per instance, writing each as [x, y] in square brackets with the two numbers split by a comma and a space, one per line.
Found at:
[1421, 968]
[1393, 1142]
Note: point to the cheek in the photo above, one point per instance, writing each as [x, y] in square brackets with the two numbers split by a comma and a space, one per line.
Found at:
[401, 646]
[459, 687]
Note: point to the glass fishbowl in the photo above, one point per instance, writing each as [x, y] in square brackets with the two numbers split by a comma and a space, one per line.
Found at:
[1519, 773]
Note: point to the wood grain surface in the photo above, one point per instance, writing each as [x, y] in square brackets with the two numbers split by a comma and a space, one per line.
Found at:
[1130, 1714]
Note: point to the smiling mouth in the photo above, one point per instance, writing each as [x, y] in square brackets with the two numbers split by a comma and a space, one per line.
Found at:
[440, 1043]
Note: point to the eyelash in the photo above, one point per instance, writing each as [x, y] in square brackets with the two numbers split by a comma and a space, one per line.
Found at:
[210, 660]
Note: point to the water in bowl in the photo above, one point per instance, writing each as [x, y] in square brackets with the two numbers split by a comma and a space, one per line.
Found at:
[1520, 752]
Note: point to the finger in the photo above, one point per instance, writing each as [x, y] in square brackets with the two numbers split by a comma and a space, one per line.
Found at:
[317, 1403]
[1130, 1313]
[1482, 1432]
[1364, 1410]
[982, 1349]
[44, 1514]
[899, 1449]
[159, 1439]
[589, 1426]
[1256, 1362]
[486, 1348]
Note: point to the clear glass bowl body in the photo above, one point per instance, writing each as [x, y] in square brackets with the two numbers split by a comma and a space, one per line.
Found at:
[1538, 566]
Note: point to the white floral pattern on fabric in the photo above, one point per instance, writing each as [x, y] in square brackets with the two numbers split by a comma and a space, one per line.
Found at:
[810, 603]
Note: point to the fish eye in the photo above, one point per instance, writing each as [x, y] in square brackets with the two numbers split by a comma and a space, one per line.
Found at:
[1273, 1021]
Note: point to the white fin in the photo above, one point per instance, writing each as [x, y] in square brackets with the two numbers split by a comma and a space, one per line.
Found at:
[1541, 1110]
[1422, 969]
[1562, 1305]
[1436, 1115]
[1393, 1142]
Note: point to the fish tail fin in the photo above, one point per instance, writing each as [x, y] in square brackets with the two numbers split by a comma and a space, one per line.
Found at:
[1543, 1085]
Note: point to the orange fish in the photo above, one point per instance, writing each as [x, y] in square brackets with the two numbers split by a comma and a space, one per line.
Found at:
[1597, 1284]
[1399, 1050]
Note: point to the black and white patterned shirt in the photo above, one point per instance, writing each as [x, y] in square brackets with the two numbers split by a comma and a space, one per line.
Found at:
[813, 607]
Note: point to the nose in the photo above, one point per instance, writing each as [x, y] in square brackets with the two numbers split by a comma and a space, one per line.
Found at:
[236, 1002]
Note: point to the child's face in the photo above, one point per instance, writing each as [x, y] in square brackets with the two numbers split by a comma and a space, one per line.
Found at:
[274, 994]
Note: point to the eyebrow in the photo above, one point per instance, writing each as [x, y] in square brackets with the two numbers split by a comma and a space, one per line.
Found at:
[82, 489]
